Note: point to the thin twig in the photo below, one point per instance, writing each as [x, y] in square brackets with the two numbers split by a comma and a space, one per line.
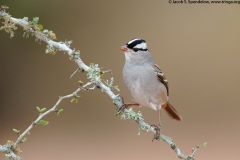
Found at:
[53, 109]
[107, 71]
[74, 73]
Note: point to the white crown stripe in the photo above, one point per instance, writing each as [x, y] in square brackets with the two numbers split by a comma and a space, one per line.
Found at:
[133, 40]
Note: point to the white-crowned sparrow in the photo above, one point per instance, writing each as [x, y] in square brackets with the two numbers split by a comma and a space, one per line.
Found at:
[145, 80]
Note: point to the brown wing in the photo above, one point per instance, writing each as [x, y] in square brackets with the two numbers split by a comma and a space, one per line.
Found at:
[161, 77]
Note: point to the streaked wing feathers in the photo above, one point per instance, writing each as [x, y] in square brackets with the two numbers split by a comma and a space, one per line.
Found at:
[161, 77]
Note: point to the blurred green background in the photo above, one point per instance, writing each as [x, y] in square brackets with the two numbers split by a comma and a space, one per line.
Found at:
[197, 46]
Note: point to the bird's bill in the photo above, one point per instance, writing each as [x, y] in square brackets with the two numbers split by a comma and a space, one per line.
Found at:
[124, 48]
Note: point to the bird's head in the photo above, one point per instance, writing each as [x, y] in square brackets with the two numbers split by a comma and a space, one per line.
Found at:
[135, 45]
[135, 49]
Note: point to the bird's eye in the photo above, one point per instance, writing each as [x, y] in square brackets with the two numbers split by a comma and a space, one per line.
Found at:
[135, 49]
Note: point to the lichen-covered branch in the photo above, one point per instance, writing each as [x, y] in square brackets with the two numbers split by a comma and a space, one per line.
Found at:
[94, 74]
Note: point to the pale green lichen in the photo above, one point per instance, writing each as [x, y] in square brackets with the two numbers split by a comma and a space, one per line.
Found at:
[110, 84]
[51, 49]
[8, 25]
[129, 114]
[94, 72]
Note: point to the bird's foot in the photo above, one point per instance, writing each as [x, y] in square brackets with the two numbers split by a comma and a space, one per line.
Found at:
[157, 129]
[125, 106]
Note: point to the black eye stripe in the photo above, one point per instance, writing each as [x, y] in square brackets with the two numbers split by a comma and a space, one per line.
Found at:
[139, 49]
[135, 49]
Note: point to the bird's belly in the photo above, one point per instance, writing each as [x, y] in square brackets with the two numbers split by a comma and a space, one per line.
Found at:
[148, 95]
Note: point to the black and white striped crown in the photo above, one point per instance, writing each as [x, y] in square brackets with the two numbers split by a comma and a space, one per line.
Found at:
[137, 44]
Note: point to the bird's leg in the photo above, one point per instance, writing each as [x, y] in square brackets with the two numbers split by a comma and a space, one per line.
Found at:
[157, 127]
[126, 105]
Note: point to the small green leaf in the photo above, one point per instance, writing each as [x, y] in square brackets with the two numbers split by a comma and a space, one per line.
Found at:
[42, 122]
[42, 110]
[35, 20]
[59, 111]
[119, 113]
[38, 108]
[80, 82]
[205, 144]
[15, 130]
[101, 74]
[24, 139]
[4, 7]
[74, 100]
[40, 27]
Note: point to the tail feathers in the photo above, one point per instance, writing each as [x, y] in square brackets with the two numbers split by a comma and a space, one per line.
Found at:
[172, 112]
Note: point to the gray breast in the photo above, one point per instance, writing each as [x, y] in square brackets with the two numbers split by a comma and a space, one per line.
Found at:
[143, 84]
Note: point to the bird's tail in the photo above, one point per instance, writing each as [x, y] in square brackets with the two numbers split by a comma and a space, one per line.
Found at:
[172, 112]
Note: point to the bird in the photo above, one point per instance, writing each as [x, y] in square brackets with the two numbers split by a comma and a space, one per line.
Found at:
[146, 82]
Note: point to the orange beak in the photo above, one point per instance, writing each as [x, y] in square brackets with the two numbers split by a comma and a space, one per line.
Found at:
[124, 48]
